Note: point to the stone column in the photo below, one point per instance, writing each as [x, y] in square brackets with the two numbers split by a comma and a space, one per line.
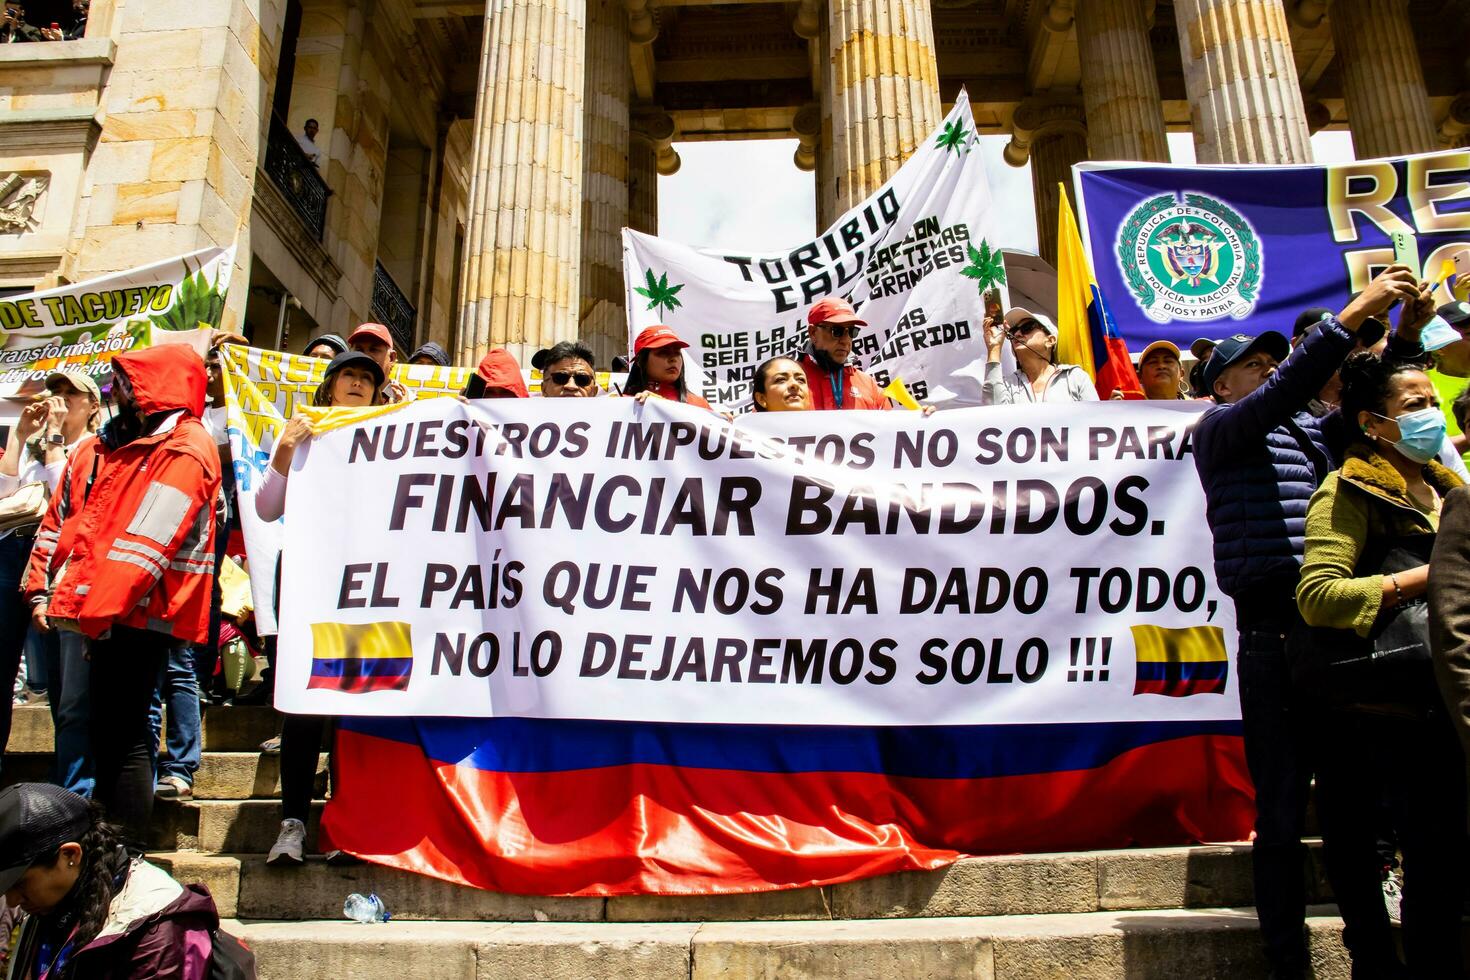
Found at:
[523, 248]
[1052, 135]
[642, 185]
[1241, 82]
[604, 322]
[885, 90]
[1120, 89]
[1382, 83]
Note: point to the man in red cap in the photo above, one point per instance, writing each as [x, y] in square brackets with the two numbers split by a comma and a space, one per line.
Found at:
[831, 326]
[658, 367]
[374, 340]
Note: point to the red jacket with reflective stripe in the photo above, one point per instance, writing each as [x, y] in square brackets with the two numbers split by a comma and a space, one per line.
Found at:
[859, 390]
[142, 550]
[55, 533]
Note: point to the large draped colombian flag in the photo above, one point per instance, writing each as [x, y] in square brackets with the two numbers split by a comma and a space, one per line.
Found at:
[618, 808]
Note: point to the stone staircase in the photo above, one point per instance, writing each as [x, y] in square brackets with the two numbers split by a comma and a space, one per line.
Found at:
[1171, 913]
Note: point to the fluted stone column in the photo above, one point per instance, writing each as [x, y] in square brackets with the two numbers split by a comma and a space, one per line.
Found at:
[523, 247]
[1241, 82]
[1382, 83]
[642, 185]
[1120, 89]
[604, 325]
[885, 90]
[1052, 135]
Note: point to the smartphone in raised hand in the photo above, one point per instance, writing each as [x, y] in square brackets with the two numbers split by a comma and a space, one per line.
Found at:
[1406, 251]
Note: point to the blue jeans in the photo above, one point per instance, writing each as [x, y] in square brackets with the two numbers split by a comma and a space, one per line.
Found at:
[178, 686]
[35, 656]
[69, 672]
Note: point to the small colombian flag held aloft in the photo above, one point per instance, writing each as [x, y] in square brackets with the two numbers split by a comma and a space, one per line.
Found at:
[1179, 662]
[358, 657]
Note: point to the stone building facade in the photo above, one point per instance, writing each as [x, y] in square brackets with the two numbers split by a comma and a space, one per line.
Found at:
[477, 162]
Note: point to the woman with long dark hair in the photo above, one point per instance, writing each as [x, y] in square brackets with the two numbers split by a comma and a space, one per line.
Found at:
[658, 367]
[1384, 732]
[352, 380]
[94, 910]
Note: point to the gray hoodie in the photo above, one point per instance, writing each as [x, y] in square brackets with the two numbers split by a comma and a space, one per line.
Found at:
[1068, 383]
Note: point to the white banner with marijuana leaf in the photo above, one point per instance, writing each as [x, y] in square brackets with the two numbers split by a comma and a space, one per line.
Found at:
[915, 259]
[83, 326]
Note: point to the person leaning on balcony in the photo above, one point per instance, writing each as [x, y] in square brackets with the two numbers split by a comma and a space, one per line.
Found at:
[307, 142]
[374, 340]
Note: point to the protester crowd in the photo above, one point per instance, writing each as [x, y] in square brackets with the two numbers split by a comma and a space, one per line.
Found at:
[1331, 485]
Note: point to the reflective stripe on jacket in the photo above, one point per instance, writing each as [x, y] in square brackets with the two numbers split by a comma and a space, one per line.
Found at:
[142, 552]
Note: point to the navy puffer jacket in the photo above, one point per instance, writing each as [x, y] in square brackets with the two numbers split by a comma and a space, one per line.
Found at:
[1260, 461]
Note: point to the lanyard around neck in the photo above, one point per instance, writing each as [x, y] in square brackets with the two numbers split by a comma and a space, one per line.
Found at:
[836, 380]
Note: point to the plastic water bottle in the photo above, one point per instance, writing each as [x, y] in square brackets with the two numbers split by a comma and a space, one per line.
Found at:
[365, 908]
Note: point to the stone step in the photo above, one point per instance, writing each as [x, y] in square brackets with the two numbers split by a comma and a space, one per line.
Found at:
[1152, 945]
[221, 775]
[227, 728]
[1099, 881]
[221, 826]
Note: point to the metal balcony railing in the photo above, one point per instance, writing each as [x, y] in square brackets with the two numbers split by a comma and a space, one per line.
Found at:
[392, 308]
[296, 177]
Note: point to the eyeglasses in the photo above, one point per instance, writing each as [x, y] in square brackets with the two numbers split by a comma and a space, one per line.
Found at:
[841, 331]
[583, 379]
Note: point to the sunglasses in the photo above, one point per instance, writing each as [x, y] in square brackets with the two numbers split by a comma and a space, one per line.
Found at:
[582, 379]
[841, 331]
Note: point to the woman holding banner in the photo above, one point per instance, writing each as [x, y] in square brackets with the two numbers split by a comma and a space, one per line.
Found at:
[1037, 378]
[1364, 660]
[658, 367]
[352, 380]
[780, 385]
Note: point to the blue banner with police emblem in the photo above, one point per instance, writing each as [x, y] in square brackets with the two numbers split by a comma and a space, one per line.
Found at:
[1186, 252]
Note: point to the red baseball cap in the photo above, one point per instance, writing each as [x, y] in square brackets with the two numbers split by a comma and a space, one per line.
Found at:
[833, 309]
[374, 330]
[657, 335]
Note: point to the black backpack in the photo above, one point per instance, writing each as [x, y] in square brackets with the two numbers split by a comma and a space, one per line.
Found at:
[229, 958]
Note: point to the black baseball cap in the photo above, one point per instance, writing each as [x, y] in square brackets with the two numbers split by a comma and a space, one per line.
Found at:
[1232, 349]
[1455, 313]
[355, 358]
[36, 819]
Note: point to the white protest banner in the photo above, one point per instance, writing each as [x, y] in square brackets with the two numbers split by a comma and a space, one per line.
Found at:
[264, 388]
[83, 326]
[914, 259]
[556, 559]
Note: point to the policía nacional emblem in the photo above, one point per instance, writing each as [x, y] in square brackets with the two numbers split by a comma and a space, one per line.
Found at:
[1190, 257]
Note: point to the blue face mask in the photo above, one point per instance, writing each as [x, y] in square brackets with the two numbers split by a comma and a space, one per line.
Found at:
[1421, 434]
[1438, 334]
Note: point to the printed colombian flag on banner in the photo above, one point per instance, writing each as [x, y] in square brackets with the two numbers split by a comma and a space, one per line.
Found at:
[361, 657]
[1179, 662]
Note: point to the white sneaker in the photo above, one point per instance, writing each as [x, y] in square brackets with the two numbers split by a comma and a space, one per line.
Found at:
[286, 852]
[1393, 895]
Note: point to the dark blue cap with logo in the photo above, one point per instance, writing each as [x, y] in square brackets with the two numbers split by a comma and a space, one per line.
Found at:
[1232, 349]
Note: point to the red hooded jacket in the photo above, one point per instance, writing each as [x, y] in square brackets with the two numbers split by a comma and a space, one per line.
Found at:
[499, 370]
[142, 551]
